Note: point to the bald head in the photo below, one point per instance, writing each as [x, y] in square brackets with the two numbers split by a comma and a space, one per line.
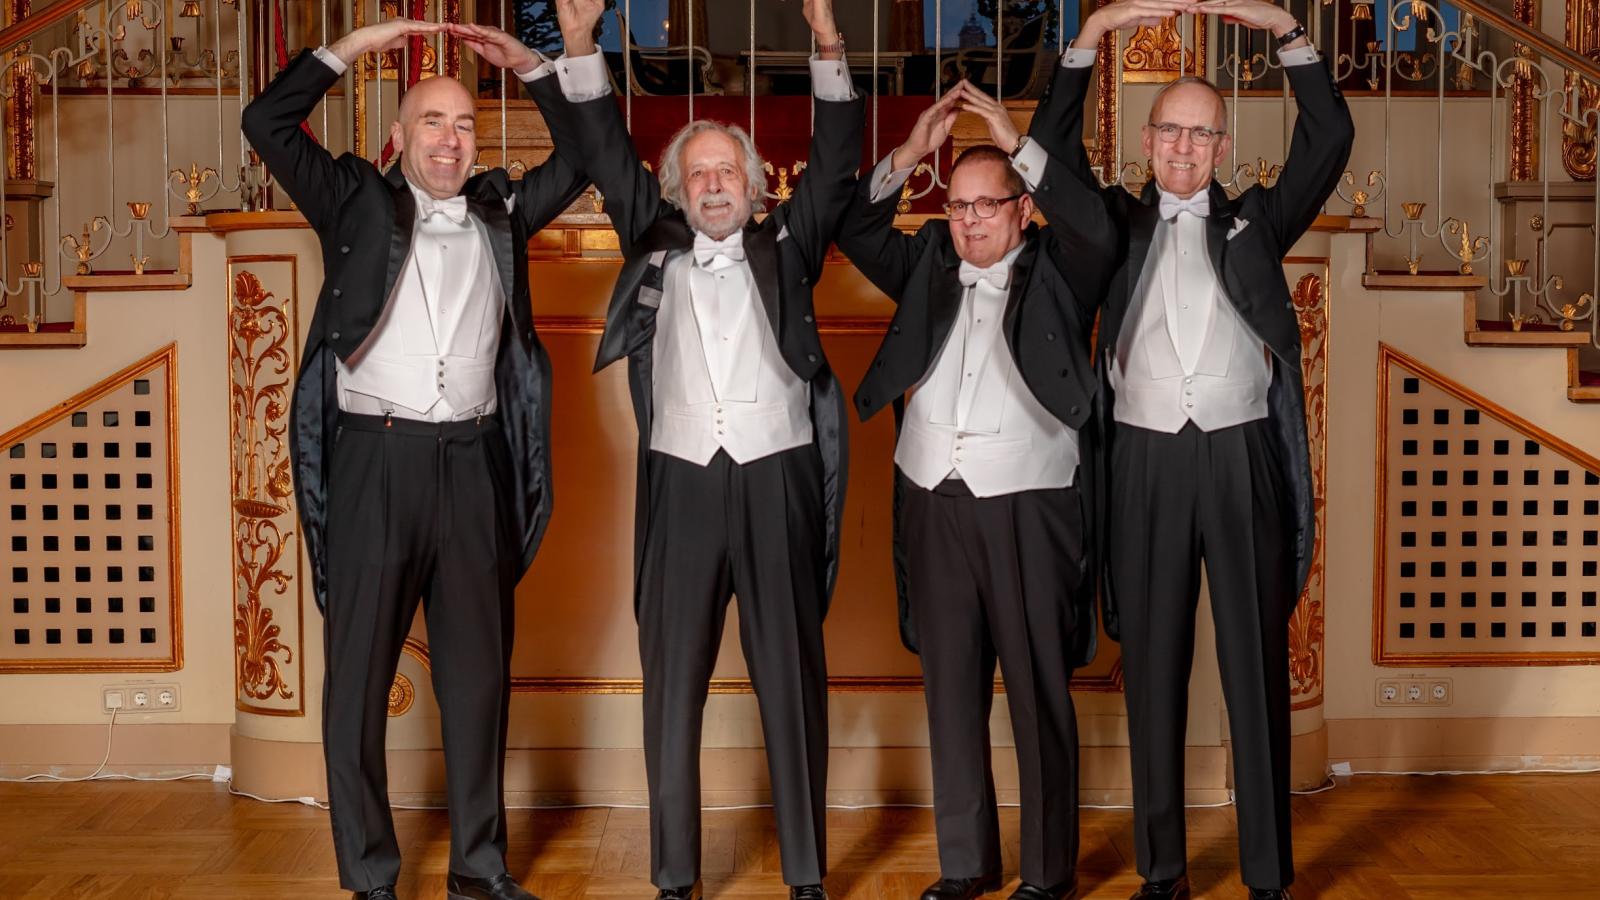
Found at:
[1184, 166]
[436, 135]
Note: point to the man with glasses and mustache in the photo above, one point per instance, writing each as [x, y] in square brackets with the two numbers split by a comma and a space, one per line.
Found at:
[741, 435]
[1203, 406]
[992, 555]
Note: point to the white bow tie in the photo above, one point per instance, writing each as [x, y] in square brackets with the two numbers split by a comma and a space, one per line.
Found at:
[1198, 205]
[998, 275]
[454, 209]
[707, 249]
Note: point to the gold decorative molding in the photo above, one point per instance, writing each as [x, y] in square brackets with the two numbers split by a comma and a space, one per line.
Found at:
[1306, 627]
[401, 695]
[262, 360]
[1159, 54]
[1578, 143]
[1434, 389]
[1108, 95]
[20, 100]
[1523, 164]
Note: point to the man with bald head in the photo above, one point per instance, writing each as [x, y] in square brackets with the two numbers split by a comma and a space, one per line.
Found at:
[421, 432]
[1202, 401]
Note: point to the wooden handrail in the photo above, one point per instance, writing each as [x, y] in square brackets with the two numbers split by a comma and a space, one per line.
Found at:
[17, 32]
[1523, 34]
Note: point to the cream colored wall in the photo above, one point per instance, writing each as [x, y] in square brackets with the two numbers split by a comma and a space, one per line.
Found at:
[1532, 384]
[125, 327]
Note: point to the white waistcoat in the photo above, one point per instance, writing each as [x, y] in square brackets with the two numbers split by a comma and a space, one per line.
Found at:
[1184, 353]
[742, 398]
[431, 355]
[973, 417]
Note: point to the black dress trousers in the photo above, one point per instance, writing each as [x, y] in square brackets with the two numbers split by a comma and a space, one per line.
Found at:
[418, 510]
[1177, 499]
[755, 530]
[994, 577]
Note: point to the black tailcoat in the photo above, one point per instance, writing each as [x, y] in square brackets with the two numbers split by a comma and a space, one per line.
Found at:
[364, 220]
[1265, 222]
[1048, 318]
[785, 252]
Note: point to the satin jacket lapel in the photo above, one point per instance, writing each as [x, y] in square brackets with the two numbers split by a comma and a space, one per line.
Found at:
[405, 220]
[491, 210]
[670, 233]
[944, 301]
[1021, 270]
[1218, 224]
[1142, 222]
[761, 251]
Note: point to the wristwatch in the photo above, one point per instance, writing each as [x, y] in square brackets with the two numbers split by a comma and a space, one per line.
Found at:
[1292, 35]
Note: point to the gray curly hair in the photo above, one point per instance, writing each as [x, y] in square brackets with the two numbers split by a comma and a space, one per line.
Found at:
[670, 169]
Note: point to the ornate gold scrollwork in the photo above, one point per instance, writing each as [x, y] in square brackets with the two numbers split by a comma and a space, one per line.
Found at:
[1306, 626]
[259, 355]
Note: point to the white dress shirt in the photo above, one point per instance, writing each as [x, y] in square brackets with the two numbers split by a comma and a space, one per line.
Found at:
[719, 378]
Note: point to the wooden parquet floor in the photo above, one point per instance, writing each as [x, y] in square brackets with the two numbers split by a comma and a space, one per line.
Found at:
[1397, 838]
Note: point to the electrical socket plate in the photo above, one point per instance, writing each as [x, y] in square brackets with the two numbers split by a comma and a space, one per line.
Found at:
[1415, 691]
[140, 698]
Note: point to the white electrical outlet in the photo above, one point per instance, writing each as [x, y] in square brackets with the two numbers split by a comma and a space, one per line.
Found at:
[140, 698]
[1415, 692]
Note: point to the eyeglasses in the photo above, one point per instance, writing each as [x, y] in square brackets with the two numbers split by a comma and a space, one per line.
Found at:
[985, 207]
[1199, 135]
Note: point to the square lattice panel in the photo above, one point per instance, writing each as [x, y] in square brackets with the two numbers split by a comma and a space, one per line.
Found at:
[1489, 531]
[89, 530]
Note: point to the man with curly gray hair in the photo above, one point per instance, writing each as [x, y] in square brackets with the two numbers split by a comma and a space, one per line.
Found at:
[741, 435]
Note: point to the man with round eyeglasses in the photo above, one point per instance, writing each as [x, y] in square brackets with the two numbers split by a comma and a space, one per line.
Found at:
[991, 342]
[1203, 409]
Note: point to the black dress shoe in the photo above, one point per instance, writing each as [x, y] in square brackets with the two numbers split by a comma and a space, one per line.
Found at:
[385, 892]
[1064, 891]
[692, 892]
[961, 888]
[1170, 889]
[500, 887]
[807, 892]
[1269, 894]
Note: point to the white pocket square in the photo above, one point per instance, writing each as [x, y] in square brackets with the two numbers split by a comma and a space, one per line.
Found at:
[783, 232]
[1238, 226]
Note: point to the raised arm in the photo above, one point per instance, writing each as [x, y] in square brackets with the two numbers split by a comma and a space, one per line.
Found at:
[546, 190]
[867, 234]
[1083, 238]
[1323, 130]
[600, 145]
[316, 181]
[813, 214]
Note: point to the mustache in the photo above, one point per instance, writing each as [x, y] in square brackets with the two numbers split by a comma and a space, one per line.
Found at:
[710, 197]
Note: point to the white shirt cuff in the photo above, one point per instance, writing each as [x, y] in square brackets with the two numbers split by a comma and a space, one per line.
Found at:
[1299, 56]
[331, 61]
[1078, 57]
[1030, 162]
[544, 68]
[830, 79]
[583, 77]
[886, 181]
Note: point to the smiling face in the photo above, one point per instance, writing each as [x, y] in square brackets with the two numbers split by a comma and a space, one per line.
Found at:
[984, 242]
[715, 189]
[436, 135]
[1182, 167]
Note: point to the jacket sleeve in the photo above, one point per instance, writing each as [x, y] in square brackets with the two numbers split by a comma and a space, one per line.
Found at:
[546, 190]
[318, 183]
[602, 148]
[881, 252]
[1318, 151]
[824, 191]
[1078, 204]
